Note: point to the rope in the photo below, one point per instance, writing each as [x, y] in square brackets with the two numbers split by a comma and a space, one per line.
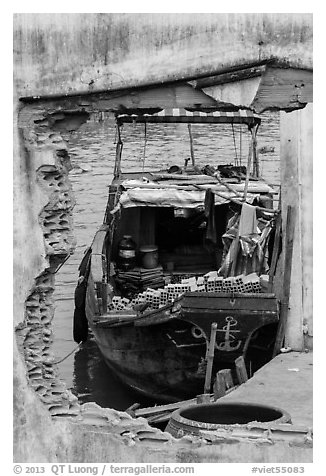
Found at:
[145, 140]
[68, 355]
[240, 144]
[235, 145]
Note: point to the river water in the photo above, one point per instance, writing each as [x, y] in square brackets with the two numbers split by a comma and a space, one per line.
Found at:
[92, 151]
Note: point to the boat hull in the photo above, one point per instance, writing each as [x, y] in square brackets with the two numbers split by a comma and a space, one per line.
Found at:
[165, 361]
[148, 360]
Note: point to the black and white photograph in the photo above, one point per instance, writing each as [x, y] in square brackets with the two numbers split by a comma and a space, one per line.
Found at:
[163, 243]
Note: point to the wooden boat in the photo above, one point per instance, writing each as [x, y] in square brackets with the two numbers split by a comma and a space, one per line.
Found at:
[152, 323]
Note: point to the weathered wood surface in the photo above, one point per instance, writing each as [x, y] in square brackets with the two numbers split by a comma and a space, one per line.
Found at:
[289, 239]
[203, 398]
[227, 376]
[241, 371]
[97, 253]
[230, 77]
[219, 387]
[210, 358]
[276, 250]
[236, 301]
[162, 413]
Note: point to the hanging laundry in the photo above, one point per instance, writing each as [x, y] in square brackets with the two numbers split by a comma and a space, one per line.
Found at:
[248, 220]
[210, 235]
[254, 246]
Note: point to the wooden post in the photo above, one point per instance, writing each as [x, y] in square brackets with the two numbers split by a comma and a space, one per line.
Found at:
[210, 358]
[192, 154]
[276, 248]
[256, 170]
[237, 238]
[117, 165]
[203, 398]
[289, 238]
[240, 368]
[219, 386]
[227, 375]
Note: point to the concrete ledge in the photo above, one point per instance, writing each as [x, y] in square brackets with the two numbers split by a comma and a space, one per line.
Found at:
[286, 383]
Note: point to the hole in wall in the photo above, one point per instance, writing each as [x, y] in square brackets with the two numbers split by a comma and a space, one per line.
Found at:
[55, 221]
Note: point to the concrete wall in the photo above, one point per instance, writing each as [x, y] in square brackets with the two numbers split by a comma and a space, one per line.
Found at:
[297, 176]
[62, 54]
[68, 53]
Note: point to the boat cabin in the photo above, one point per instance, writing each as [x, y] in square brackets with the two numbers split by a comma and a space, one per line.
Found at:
[182, 214]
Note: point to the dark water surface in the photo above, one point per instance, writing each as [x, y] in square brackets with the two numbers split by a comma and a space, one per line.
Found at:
[92, 152]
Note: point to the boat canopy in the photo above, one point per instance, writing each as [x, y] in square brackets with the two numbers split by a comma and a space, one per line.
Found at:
[177, 115]
[139, 197]
[137, 193]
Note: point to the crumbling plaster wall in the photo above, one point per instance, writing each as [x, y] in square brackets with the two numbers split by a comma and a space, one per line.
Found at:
[62, 54]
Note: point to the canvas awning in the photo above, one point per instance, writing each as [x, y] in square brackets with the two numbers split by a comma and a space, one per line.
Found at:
[179, 115]
[161, 197]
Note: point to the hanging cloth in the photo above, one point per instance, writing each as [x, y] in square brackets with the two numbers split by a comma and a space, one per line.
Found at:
[248, 220]
[210, 235]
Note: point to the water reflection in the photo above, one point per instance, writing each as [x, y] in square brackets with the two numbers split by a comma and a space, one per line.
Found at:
[93, 381]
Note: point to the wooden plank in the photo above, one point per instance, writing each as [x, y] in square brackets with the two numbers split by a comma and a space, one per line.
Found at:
[219, 388]
[237, 202]
[230, 77]
[241, 371]
[158, 409]
[210, 301]
[203, 398]
[210, 358]
[289, 238]
[191, 145]
[227, 375]
[97, 253]
[184, 177]
[162, 413]
[276, 247]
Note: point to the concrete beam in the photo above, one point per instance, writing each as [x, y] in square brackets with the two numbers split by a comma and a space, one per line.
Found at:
[296, 182]
[266, 88]
[61, 54]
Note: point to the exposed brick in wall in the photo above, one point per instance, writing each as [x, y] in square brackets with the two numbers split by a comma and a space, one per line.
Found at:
[48, 165]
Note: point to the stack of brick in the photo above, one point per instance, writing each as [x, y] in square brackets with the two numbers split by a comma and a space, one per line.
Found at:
[210, 282]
